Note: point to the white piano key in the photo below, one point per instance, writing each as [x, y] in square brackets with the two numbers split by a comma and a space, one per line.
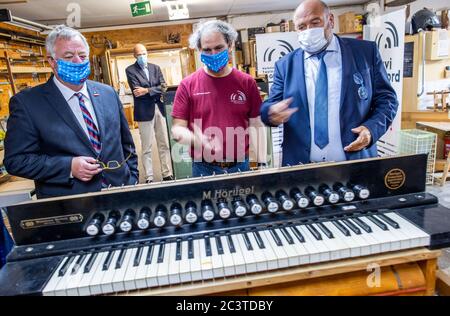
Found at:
[227, 258]
[358, 240]
[95, 284]
[205, 262]
[185, 265]
[174, 265]
[75, 279]
[250, 262]
[342, 240]
[163, 267]
[318, 244]
[60, 289]
[315, 254]
[404, 239]
[282, 256]
[334, 248]
[119, 275]
[271, 258]
[151, 277]
[49, 289]
[260, 258]
[141, 271]
[421, 238]
[108, 276]
[293, 258]
[129, 279]
[217, 263]
[84, 286]
[196, 262]
[302, 252]
[238, 259]
[389, 243]
[371, 241]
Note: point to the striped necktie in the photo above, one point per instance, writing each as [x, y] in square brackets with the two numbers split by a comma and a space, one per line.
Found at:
[94, 135]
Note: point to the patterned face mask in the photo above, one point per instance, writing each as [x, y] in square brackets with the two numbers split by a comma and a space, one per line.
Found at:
[215, 62]
[73, 73]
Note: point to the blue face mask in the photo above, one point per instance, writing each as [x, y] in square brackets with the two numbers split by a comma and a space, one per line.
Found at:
[73, 73]
[142, 60]
[215, 62]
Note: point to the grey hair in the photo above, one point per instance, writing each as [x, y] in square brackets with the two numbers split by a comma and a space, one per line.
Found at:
[65, 33]
[229, 33]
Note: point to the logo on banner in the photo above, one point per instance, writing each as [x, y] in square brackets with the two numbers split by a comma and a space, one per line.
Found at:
[238, 97]
[386, 40]
[281, 49]
[391, 39]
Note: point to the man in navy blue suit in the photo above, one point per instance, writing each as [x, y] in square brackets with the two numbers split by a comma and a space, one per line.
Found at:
[70, 134]
[332, 94]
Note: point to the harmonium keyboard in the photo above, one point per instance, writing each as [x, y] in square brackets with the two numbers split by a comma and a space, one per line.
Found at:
[181, 232]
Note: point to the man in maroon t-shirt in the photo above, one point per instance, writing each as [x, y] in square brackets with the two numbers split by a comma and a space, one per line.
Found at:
[217, 108]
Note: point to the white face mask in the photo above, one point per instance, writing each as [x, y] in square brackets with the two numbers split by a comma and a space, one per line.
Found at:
[312, 40]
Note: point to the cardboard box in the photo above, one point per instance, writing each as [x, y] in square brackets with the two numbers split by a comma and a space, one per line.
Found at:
[350, 22]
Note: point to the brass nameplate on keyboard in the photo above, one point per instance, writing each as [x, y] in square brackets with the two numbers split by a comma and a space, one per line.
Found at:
[51, 221]
[395, 179]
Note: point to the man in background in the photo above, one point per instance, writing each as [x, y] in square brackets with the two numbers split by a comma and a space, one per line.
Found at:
[147, 84]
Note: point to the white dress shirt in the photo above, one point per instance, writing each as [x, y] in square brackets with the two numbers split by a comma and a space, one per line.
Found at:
[72, 100]
[333, 59]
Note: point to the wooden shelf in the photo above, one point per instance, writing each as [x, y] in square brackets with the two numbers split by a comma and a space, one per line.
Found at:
[27, 69]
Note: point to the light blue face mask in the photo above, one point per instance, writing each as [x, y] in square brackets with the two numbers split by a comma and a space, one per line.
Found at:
[215, 62]
[142, 60]
[73, 73]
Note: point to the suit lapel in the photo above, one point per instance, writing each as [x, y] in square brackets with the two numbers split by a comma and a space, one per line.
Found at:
[57, 101]
[97, 104]
[347, 63]
[299, 72]
[141, 72]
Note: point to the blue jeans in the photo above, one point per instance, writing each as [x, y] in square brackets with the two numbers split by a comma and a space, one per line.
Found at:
[204, 169]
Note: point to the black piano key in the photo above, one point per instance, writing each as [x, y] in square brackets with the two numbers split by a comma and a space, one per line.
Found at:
[247, 242]
[361, 224]
[297, 234]
[90, 262]
[287, 235]
[120, 259]
[138, 256]
[190, 248]
[325, 230]
[219, 245]
[275, 237]
[352, 226]
[231, 244]
[259, 240]
[341, 228]
[65, 266]
[162, 247]
[208, 247]
[377, 222]
[314, 232]
[108, 260]
[78, 264]
[178, 251]
[389, 221]
[148, 260]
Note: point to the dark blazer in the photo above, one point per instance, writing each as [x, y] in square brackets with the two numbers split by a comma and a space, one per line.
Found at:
[44, 135]
[376, 112]
[144, 106]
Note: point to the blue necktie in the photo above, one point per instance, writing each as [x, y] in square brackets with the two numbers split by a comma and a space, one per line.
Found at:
[321, 105]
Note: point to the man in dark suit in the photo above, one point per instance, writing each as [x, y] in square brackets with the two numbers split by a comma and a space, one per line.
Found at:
[147, 82]
[333, 94]
[70, 134]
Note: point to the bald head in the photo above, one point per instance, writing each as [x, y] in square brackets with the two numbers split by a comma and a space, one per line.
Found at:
[139, 49]
[314, 13]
